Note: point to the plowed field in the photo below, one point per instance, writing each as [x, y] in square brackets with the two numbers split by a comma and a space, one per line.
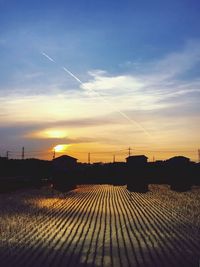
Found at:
[100, 225]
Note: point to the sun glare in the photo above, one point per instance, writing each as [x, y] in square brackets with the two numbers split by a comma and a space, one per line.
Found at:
[51, 133]
[60, 148]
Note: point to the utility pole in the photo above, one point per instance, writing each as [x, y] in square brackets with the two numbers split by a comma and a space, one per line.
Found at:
[129, 151]
[89, 158]
[113, 158]
[22, 152]
[199, 155]
[7, 154]
[153, 159]
[54, 154]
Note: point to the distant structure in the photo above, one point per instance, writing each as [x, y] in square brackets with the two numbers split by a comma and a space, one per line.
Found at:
[64, 162]
[23, 152]
[64, 173]
[179, 173]
[135, 160]
[137, 173]
[178, 160]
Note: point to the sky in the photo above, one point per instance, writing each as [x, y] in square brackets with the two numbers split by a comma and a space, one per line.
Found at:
[100, 76]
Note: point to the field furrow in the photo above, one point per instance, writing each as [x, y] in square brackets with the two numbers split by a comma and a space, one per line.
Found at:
[104, 225]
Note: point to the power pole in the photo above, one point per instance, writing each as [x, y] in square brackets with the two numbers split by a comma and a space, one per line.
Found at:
[89, 158]
[199, 155]
[7, 154]
[129, 151]
[153, 159]
[22, 152]
[113, 158]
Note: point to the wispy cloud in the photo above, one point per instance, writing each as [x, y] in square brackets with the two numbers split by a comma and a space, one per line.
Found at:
[101, 97]
[162, 97]
[177, 63]
[163, 79]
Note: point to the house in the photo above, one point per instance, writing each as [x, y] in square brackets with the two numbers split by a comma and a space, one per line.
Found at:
[64, 162]
[137, 173]
[136, 160]
[179, 173]
[64, 173]
[178, 160]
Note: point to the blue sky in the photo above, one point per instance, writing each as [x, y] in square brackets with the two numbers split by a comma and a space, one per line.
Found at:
[138, 59]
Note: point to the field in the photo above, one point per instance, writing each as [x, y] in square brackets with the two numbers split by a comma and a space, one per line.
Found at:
[100, 225]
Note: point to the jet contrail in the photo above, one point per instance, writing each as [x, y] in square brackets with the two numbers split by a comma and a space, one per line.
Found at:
[44, 54]
[134, 122]
[100, 96]
[71, 74]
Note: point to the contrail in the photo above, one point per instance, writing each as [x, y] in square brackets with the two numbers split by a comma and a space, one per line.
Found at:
[134, 122]
[71, 74]
[44, 54]
[102, 97]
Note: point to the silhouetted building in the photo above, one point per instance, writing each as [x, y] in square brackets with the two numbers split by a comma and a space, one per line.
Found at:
[158, 162]
[179, 173]
[64, 162]
[178, 160]
[135, 160]
[137, 173]
[64, 173]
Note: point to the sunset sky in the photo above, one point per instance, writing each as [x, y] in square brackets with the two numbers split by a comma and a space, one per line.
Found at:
[99, 76]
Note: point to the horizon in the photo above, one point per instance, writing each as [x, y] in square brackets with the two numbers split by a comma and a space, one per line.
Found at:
[99, 156]
[100, 77]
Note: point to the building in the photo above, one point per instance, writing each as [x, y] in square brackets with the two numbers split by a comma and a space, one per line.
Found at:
[64, 162]
[136, 160]
[178, 160]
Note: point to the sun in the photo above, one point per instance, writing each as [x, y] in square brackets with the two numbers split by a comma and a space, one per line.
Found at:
[60, 148]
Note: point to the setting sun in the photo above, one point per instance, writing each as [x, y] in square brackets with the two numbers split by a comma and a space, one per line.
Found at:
[61, 148]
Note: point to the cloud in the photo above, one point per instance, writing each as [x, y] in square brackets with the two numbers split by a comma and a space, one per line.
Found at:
[162, 80]
[162, 97]
[42, 131]
[178, 63]
[101, 81]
